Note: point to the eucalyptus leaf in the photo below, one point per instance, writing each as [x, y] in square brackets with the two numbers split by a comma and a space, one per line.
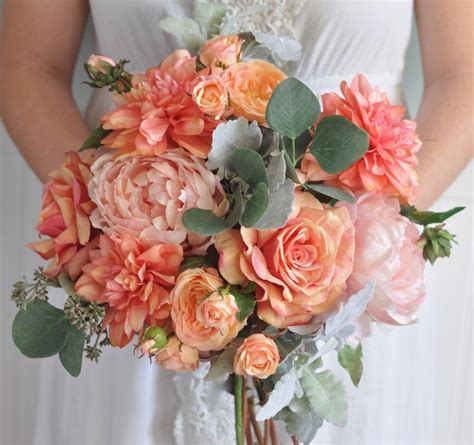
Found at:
[71, 355]
[279, 208]
[424, 218]
[203, 222]
[223, 365]
[209, 16]
[280, 397]
[326, 395]
[245, 302]
[338, 143]
[292, 109]
[256, 206]
[351, 360]
[332, 192]
[230, 136]
[249, 166]
[301, 145]
[185, 29]
[94, 140]
[40, 330]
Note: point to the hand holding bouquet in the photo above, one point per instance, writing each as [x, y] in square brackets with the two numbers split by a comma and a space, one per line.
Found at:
[218, 215]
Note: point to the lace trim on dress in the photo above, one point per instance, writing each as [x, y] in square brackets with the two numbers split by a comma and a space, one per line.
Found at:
[270, 16]
[206, 415]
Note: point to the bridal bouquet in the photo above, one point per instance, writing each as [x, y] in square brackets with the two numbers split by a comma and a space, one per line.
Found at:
[219, 215]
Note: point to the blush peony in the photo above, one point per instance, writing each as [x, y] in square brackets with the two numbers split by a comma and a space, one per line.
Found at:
[301, 268]
[203, 317]
[388, 167]
[134, 280]
[159, 112]
[147, 196]
[386, 253]
[176, 356]
[250, 85]
[258, 357]
[64, 217]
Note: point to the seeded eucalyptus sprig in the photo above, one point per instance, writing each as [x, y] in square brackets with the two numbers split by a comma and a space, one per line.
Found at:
[24, 291]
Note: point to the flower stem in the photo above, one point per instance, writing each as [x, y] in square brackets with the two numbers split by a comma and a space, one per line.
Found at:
[238, 409]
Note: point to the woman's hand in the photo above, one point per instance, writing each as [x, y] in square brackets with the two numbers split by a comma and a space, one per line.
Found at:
[445, 118]
[40, 44]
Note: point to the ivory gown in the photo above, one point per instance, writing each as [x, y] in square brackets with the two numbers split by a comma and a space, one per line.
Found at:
[416, 383]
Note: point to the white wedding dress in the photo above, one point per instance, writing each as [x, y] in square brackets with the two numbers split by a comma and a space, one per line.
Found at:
[416, 386]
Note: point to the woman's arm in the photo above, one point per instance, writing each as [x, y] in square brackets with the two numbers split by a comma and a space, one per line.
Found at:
[445, 119]
[40, 44]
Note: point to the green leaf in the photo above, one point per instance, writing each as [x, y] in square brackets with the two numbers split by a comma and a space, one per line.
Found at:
[223, 365]
[71, 354]
[304, 425]
[301, 144]
[194, 261]
[95, 139]
[326, 395]
[245, 302]
[234, 216]
[351, 360]
[256, 206]
[338, 143]
[40, 330]
[67, 284]
[332, 192]
[203, 222]
[249, 166]
[185, 29]
[210, 16]
[290, 170]
[292, 109]
[424, 218]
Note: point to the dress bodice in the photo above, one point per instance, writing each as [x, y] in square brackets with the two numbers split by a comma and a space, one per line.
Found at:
[340, 38]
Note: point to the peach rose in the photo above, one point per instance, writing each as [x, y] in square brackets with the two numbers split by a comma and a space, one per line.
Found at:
[176, 356]
[147, 196]
[221, 50]
[159, 112]
[250, 85]
[64, 216]
[301, 268]
[211, 96]
[388, 167]
[134, 280]
[202, 316]
[386, 253]
[257, 357]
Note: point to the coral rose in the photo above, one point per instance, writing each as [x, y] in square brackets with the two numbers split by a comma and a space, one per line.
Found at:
[386, 253]
[147, 196]
[301, 268]
[202, 316]
[257, 357]
[176, 356]
[64, 217]
[160, 113]
[134, 280]
[250, 85]
[221, 50]
[211, 96]
[388, 167]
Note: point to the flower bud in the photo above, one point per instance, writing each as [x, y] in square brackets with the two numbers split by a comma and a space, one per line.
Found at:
[154, 338]
[436, 242]
[101, 64]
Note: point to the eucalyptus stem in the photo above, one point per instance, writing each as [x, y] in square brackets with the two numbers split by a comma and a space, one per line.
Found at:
[293, 151]
[238, 384]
